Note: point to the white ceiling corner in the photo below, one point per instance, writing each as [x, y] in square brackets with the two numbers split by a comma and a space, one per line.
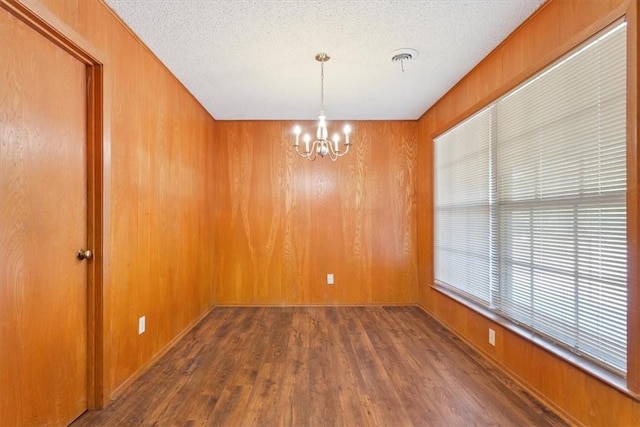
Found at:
[255, 59]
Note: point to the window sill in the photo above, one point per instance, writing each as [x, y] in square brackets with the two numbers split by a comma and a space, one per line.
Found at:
[603, 375]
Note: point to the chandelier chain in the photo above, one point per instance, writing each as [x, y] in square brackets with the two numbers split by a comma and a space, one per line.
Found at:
[322, 85]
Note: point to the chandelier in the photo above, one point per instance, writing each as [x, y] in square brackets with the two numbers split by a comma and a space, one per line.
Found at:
[322, 146]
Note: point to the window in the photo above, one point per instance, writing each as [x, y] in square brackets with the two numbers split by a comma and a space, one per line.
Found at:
[463, 198]
[530, 203]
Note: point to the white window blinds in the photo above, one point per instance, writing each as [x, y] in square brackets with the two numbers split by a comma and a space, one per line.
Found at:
[561, 175]
[536, 229]
[463, 255]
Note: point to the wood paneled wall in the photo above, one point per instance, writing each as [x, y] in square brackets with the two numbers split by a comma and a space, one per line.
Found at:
[282, 222]
[556, 28]
[159, 164]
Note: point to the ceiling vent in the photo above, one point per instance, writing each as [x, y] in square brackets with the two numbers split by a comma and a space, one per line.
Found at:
[403, 55]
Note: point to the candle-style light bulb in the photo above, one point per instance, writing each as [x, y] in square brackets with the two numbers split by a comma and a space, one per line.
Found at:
[307, 140]
[347, 131]
[297, 131]
[336, 139]
[322, 127]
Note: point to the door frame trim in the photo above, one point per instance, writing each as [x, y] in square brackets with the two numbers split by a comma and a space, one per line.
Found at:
[51, 27]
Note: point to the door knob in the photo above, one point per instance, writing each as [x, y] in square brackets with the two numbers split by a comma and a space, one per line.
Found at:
[84, 254]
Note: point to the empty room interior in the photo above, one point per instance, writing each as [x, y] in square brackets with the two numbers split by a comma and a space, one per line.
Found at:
[391, 213]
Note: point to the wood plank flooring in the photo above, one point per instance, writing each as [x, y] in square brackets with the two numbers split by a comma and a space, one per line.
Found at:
[322, 366]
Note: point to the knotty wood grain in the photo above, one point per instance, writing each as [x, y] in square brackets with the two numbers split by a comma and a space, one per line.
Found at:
[311, 366]
[282, 223]
[555, 29]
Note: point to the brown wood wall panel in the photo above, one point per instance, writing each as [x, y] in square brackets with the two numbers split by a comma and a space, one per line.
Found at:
[426, 127]
[66, 10]
[556, 28]
[282, 222]
[160, 168]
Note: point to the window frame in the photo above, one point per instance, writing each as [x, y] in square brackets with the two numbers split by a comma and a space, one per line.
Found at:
[542, 340]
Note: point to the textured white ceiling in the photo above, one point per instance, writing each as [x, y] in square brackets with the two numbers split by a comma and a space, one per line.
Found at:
[255, 59]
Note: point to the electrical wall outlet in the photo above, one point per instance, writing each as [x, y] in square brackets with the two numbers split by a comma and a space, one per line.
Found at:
[330, 279]
[141, 325]
[492, 337]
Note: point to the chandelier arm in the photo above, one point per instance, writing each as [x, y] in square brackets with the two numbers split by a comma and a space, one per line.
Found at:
[316, 145]
[303, 155]
[345, 151]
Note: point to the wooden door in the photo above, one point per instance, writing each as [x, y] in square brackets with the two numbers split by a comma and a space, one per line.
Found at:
[43, 223]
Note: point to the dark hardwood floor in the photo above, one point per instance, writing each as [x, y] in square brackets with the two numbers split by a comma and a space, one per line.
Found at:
[317, 366]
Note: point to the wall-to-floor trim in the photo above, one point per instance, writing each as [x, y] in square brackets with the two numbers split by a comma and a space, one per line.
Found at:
[115, 394]
[509, 373]
[328, 304]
